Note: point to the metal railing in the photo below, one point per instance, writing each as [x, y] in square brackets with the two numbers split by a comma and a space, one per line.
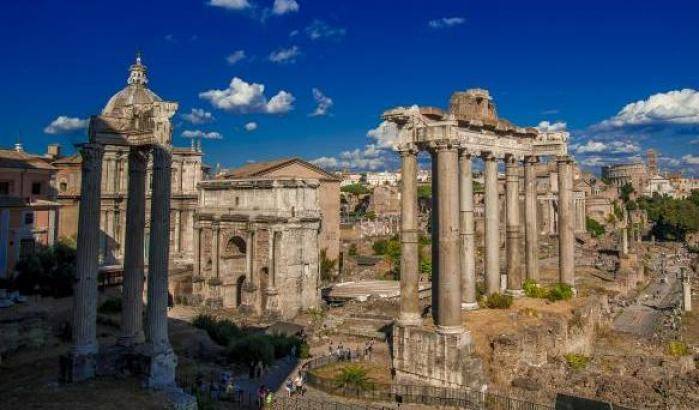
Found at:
[413, 394]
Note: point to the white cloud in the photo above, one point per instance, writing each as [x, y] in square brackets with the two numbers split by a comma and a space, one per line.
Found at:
[547, 126]
[672, 107]
[691, 159]
[250, 126]
[66, 125]
[319, 29]
[230, 4]
[613, 147]
[284, 55]
[385, 134]
[326, 162]
[212, 135]
[242, 97]
[284, 6]
[324, 103]
[446, 22]
[198, 116]
[294, 33]
[235, 57]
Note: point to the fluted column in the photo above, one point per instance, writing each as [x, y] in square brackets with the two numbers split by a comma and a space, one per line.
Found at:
[132, 287]
[197, 249]
[512, 227]
[434, 233]
[466, 226]
[80, 363]
[216, 248]
[531, 240]
[163, 360]
[492, 225]
[625, 233]
[566, 239]
[409, 277]
[449, 278]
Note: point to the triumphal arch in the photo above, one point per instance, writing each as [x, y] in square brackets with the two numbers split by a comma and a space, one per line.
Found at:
[469, 129]
[136, 118]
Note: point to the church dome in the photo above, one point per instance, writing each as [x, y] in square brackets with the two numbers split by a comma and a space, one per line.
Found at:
[135, 93]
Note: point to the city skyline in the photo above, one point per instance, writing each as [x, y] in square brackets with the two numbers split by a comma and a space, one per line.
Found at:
[264, 79]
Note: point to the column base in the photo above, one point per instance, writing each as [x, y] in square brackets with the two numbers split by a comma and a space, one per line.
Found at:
[423, 356]
[517, 293]
[469, 306]
[409, 319]
[158, 367]
[76, 367]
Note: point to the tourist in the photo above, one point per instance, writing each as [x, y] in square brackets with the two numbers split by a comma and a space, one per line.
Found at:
[261, 395]
[298, 384]
[289, 386]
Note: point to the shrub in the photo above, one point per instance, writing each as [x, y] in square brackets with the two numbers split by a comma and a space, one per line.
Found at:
[577, 361]
[593, 227]
[327, 265]
[677, 348]
[251, 349]
[380, 247]
[283, 345]
[353, 250]
[354, 376]
[355, 189]
[222, 331]
[533, 290]
[560, 291]
[304, 351]
[499, 301]
[110, 306]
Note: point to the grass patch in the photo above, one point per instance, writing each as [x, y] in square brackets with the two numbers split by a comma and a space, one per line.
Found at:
[559, 291]
[677, 348]
[577, 361]
[498, 301]
[354, 376]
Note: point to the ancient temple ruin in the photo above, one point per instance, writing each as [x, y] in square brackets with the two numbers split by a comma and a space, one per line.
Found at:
[469, 129]
[139, 120]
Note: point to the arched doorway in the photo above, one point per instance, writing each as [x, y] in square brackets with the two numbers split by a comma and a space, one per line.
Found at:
[239, 291]
[264, 283]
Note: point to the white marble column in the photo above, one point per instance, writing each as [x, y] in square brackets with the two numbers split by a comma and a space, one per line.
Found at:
[80, 363]
[434, 220]
[409, 265]
[512, 227]
[466, 226]
[132, 287]
[196, 268]
[216, 247]
[492, 225]
[531, 240]
[566, 237]
[163, 360]
[449, 278]
[178, 231]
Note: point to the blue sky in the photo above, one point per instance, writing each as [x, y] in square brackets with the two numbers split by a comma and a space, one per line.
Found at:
[578, 63]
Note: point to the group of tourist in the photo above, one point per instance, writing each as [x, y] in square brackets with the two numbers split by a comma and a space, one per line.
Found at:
[340, 351]
[225, 388]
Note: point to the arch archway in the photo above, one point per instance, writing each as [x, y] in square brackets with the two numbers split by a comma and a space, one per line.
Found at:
[239, 291]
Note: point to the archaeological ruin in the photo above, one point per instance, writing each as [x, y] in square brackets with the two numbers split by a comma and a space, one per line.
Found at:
[469, 129]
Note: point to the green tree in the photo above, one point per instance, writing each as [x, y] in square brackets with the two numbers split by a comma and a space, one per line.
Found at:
[48, 271]
[625, 191]
[354, 376]
[424, 191]
[355, 189]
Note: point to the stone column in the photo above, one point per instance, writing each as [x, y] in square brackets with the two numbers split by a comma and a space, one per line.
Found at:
[132, 287]
[215, 247]
[492, 225]
[512, 228]
[625, 234]
[271, 292]
[566, 238]
[434, 233]
[466, 226]
[197, 249]
[449, 278]
[409, 265]
[531, 240]
[162, 359]
[80, 363]
[178, 233]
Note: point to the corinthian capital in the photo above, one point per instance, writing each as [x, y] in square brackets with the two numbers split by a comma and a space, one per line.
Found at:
[91, 155]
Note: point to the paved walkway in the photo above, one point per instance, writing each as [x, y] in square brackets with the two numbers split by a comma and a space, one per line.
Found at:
[644, 316]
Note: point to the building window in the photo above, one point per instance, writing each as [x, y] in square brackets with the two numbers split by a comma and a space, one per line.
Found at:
[4, 188]
[36, 188]
[63, 186]
[26, 248]
[29, 218]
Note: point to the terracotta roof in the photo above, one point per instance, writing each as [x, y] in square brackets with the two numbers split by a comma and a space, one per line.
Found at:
[72, 159]
[259, 169]
[10, 158]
